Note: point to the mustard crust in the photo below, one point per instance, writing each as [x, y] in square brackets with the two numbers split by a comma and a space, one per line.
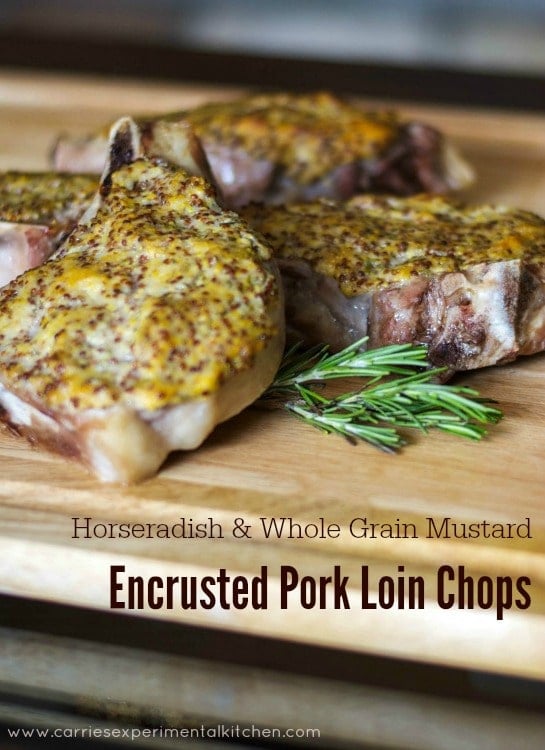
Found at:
[372, 241]
[308, 135]
[159, 298]
[44, 198]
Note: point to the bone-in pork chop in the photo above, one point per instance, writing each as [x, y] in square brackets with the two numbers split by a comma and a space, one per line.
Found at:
[278, 148]
[469, 282]
[37, 211]
[160, 316]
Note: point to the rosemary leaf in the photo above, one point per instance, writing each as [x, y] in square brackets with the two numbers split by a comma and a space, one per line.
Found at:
[317, 364]
[385, 438]
[399, 391]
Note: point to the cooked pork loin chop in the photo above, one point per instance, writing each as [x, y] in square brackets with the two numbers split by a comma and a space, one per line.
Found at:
[467, 282]
[160, 316]
[22, 246]
[279, 148]
[37, 211]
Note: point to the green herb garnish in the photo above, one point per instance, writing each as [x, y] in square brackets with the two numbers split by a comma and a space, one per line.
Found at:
[400, 391]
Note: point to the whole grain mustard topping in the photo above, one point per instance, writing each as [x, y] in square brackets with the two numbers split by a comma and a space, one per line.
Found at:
[308, 135]
[373, 241]
[159, 298]
[45, 198]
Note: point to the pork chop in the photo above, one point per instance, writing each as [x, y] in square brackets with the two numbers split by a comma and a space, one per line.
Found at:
[279, 148]
[160, 316]
[469, 282]
[37, 211]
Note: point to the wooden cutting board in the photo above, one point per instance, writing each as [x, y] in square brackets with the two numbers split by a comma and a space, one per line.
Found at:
[267, 465]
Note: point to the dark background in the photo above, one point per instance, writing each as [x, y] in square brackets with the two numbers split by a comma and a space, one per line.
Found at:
[474, 52]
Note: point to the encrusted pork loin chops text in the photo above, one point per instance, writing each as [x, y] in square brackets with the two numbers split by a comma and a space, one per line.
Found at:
[469, 282]
[160, 316]
[278, 148]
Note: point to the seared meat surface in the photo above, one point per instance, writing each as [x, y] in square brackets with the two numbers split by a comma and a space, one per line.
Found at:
[37, 211]
[469, 282]
[279, 148]
[160, 316]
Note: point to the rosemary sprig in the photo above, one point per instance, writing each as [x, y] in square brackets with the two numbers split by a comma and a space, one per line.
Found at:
[399, 392]
[314, 365]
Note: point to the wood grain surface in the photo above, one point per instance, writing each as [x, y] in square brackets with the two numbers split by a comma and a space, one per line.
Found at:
[265, 464]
